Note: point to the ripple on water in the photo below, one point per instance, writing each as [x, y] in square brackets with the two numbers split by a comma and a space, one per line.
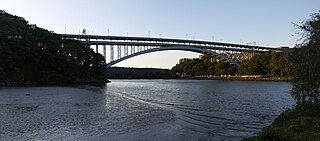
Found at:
[142, 110]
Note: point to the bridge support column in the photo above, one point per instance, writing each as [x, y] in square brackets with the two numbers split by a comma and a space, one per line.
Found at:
[111, 53]
[134, 49]
[125, 50]
[97, 48]
[104, 51]
[119, 52]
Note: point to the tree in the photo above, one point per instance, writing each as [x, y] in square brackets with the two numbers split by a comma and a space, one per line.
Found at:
[306, 63]
[258, 64]
[29, 54]
[198, 69]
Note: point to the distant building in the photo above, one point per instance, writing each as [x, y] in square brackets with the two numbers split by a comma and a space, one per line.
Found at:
[182, 60]
[212, 59]
[215, 60]
[201, 57]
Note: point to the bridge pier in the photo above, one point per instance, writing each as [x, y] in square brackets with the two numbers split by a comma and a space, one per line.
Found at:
[97, 48]
[119, 52]
[125, 51]
[111, 53]
[104, 51]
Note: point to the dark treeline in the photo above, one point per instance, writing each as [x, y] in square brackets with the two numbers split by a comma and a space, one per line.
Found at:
[268, 64]
[207, 65]
[138, 73]
[31, 55]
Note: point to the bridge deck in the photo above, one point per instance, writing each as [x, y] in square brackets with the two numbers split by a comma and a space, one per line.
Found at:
[143, 41]
[122, 47]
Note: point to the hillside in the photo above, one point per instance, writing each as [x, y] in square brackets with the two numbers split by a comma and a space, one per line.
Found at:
[32, 55]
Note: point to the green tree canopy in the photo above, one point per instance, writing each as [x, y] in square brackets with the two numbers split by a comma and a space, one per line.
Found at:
[29, 54]
[207, 65]
[306, 63]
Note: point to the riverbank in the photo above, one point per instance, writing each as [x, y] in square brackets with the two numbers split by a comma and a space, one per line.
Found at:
[28, 84]
[238, 78]
[297, 124]
[217, 78]
[247, 78]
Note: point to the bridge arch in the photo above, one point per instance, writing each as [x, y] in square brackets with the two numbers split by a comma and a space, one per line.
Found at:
[184, 48]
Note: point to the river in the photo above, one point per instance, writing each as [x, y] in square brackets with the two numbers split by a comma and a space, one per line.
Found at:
[142, 110]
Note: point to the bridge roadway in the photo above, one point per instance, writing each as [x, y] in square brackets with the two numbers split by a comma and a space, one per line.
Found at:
[143, 45]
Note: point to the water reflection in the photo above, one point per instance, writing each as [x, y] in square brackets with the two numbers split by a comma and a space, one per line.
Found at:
[142, 110]
[216, 109]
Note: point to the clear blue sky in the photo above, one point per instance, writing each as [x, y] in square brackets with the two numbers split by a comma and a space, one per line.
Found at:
[268, 22]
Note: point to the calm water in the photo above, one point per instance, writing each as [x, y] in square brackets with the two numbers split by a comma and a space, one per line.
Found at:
[142, 110]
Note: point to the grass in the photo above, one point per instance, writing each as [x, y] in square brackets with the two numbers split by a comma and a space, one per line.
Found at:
[301, 123]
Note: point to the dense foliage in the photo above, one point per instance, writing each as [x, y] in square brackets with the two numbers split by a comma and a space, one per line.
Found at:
[302, 122]
[204, 66]
[29, 54]
[138, 73]
[306, 68]
[269, 64]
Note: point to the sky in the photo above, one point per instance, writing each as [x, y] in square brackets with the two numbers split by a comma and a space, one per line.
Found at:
[267, 22]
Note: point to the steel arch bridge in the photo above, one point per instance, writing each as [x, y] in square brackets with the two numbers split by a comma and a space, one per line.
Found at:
[121, 48]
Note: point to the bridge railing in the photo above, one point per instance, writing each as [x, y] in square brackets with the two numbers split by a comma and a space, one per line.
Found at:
[91, 38]
[120, 47]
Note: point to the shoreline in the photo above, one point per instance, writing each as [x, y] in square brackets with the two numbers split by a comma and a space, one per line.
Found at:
[104, 82]
[217, 78]
[91, 83]
[248, 78]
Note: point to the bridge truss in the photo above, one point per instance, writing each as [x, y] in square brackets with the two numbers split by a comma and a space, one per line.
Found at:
[121, 48]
